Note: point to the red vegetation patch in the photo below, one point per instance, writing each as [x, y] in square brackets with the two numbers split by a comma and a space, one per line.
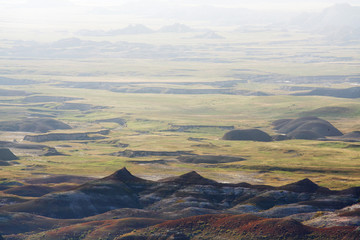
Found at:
[248, 226]
[276, 227]
[246, 223]
[344, 233]
[100, 229]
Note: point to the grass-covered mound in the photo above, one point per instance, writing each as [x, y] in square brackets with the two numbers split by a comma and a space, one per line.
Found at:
[304, 134]
[306, 128]
[247, 135]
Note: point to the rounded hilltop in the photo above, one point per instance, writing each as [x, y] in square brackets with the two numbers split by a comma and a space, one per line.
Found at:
[247, 135]
[310, 128]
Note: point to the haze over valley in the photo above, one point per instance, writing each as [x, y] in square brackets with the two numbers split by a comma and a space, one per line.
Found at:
[179, 120]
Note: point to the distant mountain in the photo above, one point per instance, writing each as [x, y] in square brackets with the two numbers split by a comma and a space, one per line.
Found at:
[209, 35]
[339, 15]
[176, 28]
[338, 22]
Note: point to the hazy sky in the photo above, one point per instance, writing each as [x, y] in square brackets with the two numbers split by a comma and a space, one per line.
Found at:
[256, 4]
[24, 16]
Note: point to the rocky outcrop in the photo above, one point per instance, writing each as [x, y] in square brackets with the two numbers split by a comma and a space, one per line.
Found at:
[7, 144]
[348, 216]
[66, 136]
[191, 178]
[51, 151]
[247, 135]
[7, 155]
[188, 206]
[303, 186]
[43, 150]
[116, 191]
[186, 195]
[123, 175]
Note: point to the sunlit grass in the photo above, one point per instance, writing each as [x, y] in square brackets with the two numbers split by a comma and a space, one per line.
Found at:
[150, 116]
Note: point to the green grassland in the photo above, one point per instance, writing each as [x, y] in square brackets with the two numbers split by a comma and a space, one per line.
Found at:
[150, 116]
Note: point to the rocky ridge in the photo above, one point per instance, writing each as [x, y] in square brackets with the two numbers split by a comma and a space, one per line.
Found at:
[188, 206]
[186, 195]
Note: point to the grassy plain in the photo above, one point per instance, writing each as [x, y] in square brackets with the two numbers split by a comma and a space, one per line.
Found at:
[150, 116]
